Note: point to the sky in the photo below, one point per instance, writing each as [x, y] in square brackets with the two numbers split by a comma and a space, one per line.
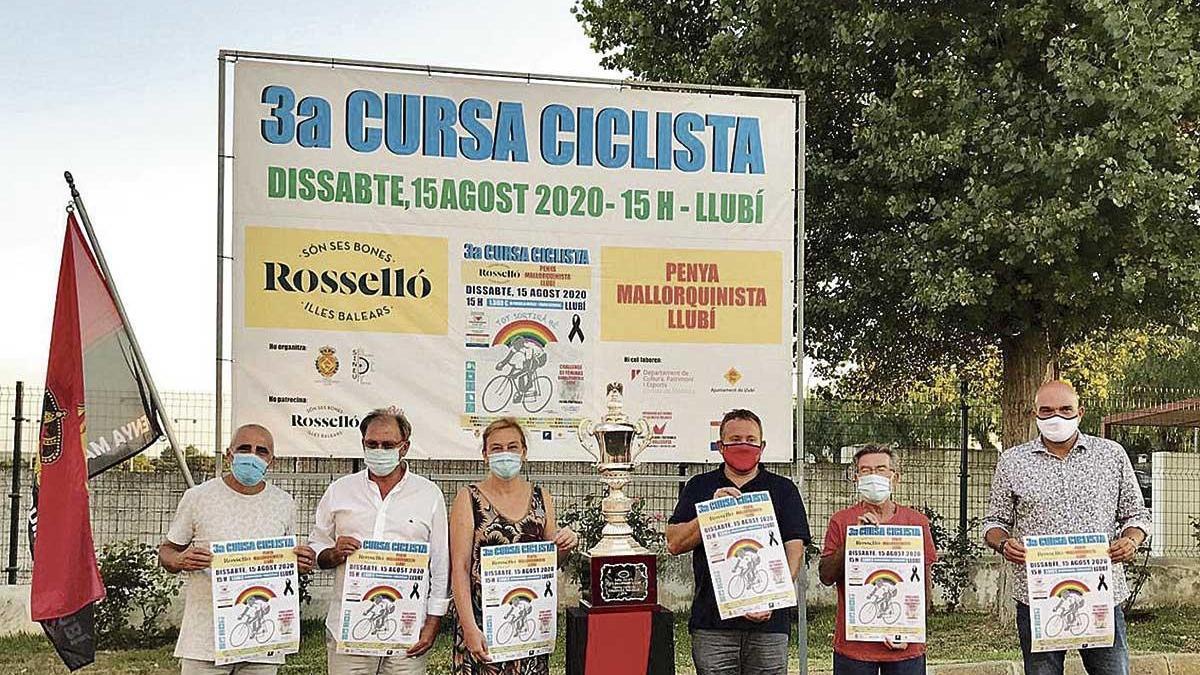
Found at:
[124, 95]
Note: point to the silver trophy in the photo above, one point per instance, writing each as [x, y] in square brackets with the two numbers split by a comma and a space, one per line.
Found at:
[616, 443]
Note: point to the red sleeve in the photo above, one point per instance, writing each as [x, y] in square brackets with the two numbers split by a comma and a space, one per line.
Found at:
[835, 536]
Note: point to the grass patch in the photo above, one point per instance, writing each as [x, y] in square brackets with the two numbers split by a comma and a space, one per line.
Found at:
[960, 637]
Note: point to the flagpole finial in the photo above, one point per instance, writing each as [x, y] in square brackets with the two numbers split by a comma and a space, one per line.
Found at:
[71, 183]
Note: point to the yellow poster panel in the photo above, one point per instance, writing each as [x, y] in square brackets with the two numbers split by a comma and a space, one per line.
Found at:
[526, 274]
[691, 296]
[345, 281]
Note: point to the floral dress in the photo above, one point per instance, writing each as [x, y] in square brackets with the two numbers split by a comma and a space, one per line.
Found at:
[491, 529]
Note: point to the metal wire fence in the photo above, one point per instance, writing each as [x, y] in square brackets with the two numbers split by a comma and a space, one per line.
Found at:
[137, 499]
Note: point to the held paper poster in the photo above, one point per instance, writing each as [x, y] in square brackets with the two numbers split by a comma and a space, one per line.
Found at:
[745, 554]
[520, 599]
[256, 599]
[384, 597]
[885, 583]
[1070, 591]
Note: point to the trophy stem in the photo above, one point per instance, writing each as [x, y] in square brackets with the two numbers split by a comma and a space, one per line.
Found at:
[617, 536]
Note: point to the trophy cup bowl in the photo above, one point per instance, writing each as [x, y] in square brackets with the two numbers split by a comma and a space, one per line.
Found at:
[622, 572]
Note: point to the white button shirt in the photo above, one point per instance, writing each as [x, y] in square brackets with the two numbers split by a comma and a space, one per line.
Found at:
[414, 510]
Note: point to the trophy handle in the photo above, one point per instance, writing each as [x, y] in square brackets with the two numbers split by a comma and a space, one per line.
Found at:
[586, 439]
[643, 435]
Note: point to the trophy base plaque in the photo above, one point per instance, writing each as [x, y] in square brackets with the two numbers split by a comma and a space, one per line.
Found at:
[618, 583]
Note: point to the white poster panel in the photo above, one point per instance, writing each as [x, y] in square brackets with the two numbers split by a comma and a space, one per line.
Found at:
[520, 606]
[746, 558]
[384, 597]
[885, 583]
[256, 599]
[470, 248]
[1070, 592]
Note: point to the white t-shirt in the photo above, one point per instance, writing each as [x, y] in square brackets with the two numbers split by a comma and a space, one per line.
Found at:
[414, 510]
[213, 511]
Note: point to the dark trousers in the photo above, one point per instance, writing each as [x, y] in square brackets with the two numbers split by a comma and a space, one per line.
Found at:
[843, 665]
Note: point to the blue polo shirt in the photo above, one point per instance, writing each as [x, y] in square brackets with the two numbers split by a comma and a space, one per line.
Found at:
[793, 525]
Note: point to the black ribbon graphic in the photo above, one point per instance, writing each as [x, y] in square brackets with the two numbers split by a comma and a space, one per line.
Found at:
[576, 331]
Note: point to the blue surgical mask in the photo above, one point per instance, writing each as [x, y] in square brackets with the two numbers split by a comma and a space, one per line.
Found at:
[505, 465]
[381, 461]
[248, 469]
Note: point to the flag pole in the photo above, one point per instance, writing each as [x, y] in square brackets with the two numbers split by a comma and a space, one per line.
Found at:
[168, 425]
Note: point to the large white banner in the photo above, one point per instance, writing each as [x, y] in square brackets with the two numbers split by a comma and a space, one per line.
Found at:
[470, 248]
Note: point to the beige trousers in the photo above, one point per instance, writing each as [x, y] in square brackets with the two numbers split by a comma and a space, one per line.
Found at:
[349, 664]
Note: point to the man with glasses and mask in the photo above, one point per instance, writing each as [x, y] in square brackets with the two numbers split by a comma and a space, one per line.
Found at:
[876, 477]
[756, 644]
[216, 510]
[386, 501]
[1066, 482]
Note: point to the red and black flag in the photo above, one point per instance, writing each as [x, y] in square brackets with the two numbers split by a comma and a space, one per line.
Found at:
[96, 413]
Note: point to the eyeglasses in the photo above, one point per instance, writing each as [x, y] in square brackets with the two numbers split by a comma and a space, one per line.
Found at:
[382, 445]
[1046, 412]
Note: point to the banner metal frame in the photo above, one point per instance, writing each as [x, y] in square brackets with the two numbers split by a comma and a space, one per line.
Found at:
[229, 57]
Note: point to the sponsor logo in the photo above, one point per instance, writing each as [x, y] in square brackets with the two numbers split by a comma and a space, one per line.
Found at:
[360, 365]
[324, 421]
[52, 428]
[498, 273]
[280, 347]
[659, 421]
[327, 363]
[326, 280]
[633, 373]
[732, 376]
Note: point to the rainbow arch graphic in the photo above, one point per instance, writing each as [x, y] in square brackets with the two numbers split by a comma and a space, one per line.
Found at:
[384, 591]
[518, 593]
[742, 545]
[882, 575]
[1068, 586]
[255, 592]
[526, 328]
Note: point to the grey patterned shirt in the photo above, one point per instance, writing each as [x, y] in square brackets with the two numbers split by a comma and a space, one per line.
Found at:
[1093, 489]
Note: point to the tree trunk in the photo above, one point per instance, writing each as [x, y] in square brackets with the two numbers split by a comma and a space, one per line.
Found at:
[1026, 365]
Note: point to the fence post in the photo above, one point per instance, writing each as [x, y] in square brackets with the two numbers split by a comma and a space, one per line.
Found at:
[964, 412]
[15, 495]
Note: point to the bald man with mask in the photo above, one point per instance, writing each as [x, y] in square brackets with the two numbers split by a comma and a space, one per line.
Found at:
[1066, 482]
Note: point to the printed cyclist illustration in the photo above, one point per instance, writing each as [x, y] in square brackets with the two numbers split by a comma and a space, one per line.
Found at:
[881, 603]
[252, 623]
[1067, 616]
[747, 573]
[521, 383]
[377, 619]
[517, 621]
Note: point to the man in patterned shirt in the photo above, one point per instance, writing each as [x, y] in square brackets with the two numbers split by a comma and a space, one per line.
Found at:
[1066, 482]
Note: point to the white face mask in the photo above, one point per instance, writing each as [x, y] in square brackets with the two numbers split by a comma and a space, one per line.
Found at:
[1058, 429]
[875, 488]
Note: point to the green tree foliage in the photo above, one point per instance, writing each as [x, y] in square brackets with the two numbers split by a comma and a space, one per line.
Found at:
[984, 178]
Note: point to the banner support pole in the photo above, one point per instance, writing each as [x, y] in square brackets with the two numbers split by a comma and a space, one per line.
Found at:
[168, 425]
[798, 454]
[220, 350]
